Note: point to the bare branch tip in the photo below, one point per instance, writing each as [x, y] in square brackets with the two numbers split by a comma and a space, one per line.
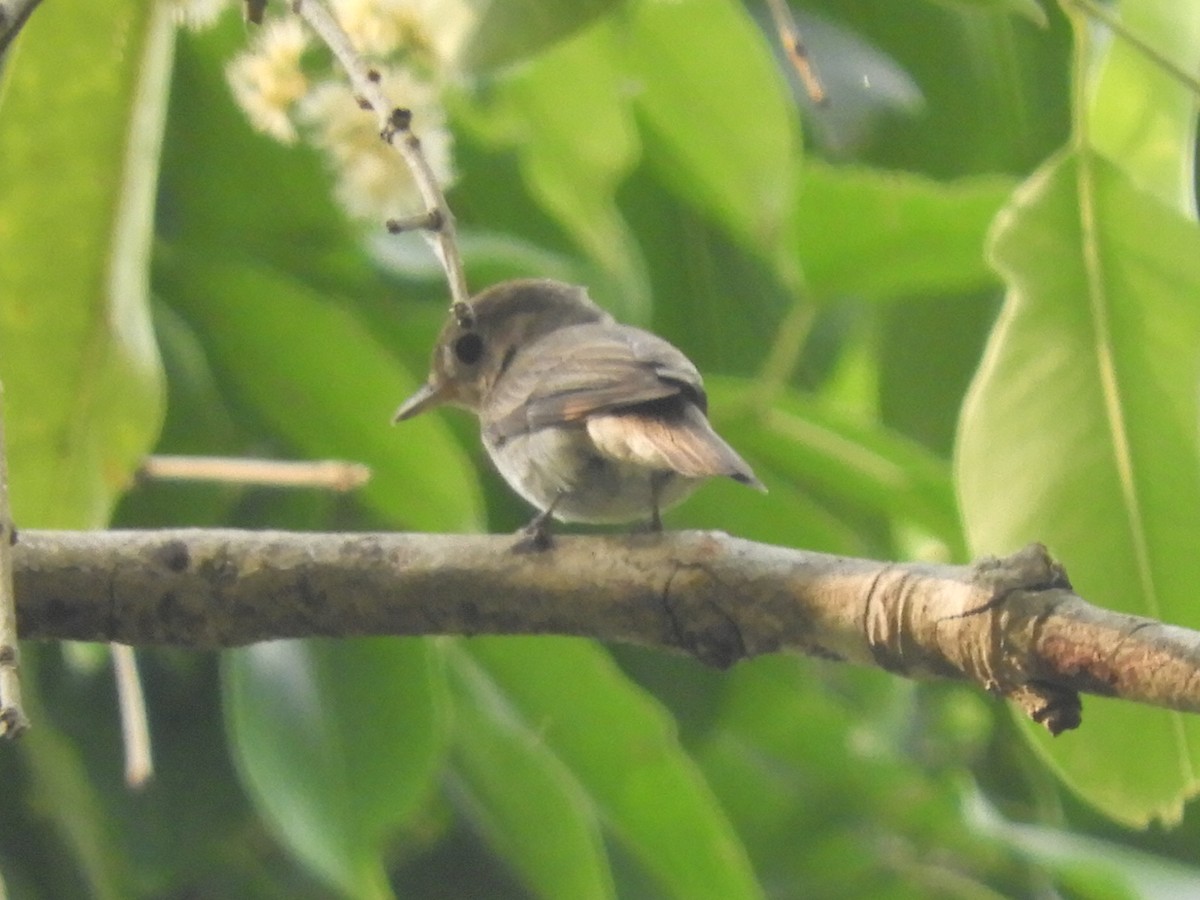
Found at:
[13, 723]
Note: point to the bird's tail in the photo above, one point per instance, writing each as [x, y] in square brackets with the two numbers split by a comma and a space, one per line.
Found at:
[677, 438]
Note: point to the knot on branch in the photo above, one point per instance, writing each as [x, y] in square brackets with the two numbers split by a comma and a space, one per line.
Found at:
[399, 121]
[1031, 568]
[1056, 707]
[920, 623]
[1029, 571]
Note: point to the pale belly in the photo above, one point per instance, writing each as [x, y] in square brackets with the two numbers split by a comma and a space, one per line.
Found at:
[562, 465]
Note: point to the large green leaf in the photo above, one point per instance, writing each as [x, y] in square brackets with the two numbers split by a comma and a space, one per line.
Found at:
[577, 140]
[311, 369]
[275, 204]
[1080, 431]
[509, 30]
[1030, 9]
[338, 743]
[707, 86]
[621, 747]
[863, 233]
[1088, 866]
[1087, 394]
[818, 806]
[1139, 113]
[57, 778]
[82, 107]
[526, 800]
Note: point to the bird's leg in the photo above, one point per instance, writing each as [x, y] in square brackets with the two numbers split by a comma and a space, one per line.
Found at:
[655, 523]
[535, 537]
[657, 482]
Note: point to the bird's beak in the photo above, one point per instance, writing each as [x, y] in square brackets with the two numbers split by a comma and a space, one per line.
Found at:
[426, 397]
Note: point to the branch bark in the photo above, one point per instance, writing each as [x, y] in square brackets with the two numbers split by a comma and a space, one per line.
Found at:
[1012, 626]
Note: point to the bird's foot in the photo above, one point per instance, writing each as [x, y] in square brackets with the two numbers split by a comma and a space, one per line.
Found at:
[653, 525]
[535, 537]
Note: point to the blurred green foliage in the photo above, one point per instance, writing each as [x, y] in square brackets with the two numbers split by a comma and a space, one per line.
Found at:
[952, 312]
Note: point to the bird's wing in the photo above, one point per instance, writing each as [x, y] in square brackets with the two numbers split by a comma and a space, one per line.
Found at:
[576, 372]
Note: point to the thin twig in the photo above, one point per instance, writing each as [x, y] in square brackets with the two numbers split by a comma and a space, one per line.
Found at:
[13, 16]
[329, 474]
[395, 127]
[426, 221]
[135, 725]
[797, 52]
[12, 716]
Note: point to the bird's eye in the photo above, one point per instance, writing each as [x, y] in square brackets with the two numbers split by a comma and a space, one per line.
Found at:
[468, 348]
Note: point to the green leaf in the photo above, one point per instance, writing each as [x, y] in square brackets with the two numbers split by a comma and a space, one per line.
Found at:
[82, 107]
[707, 87]
[1141, 115]
[787, 514]
[510, 30]
[338, 743]
[526, 800]
[263, 198]
[575, 147]
[853, 465]
[718, 301]
[874, 235]
[779, 781]
[622, 748]
[197, 420]
[1088, 866]
[1030, 9]
[1080, 431]
[313, 371]
[61, 787]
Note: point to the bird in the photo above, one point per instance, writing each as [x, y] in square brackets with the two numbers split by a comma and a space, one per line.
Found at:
[589, 420]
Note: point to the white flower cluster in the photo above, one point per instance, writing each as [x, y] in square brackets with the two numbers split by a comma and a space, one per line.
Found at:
[413, 44]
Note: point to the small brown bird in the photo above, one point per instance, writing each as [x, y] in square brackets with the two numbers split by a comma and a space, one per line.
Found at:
[587, 419]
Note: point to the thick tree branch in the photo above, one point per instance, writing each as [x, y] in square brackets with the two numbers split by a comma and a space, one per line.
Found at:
[1013, 626]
